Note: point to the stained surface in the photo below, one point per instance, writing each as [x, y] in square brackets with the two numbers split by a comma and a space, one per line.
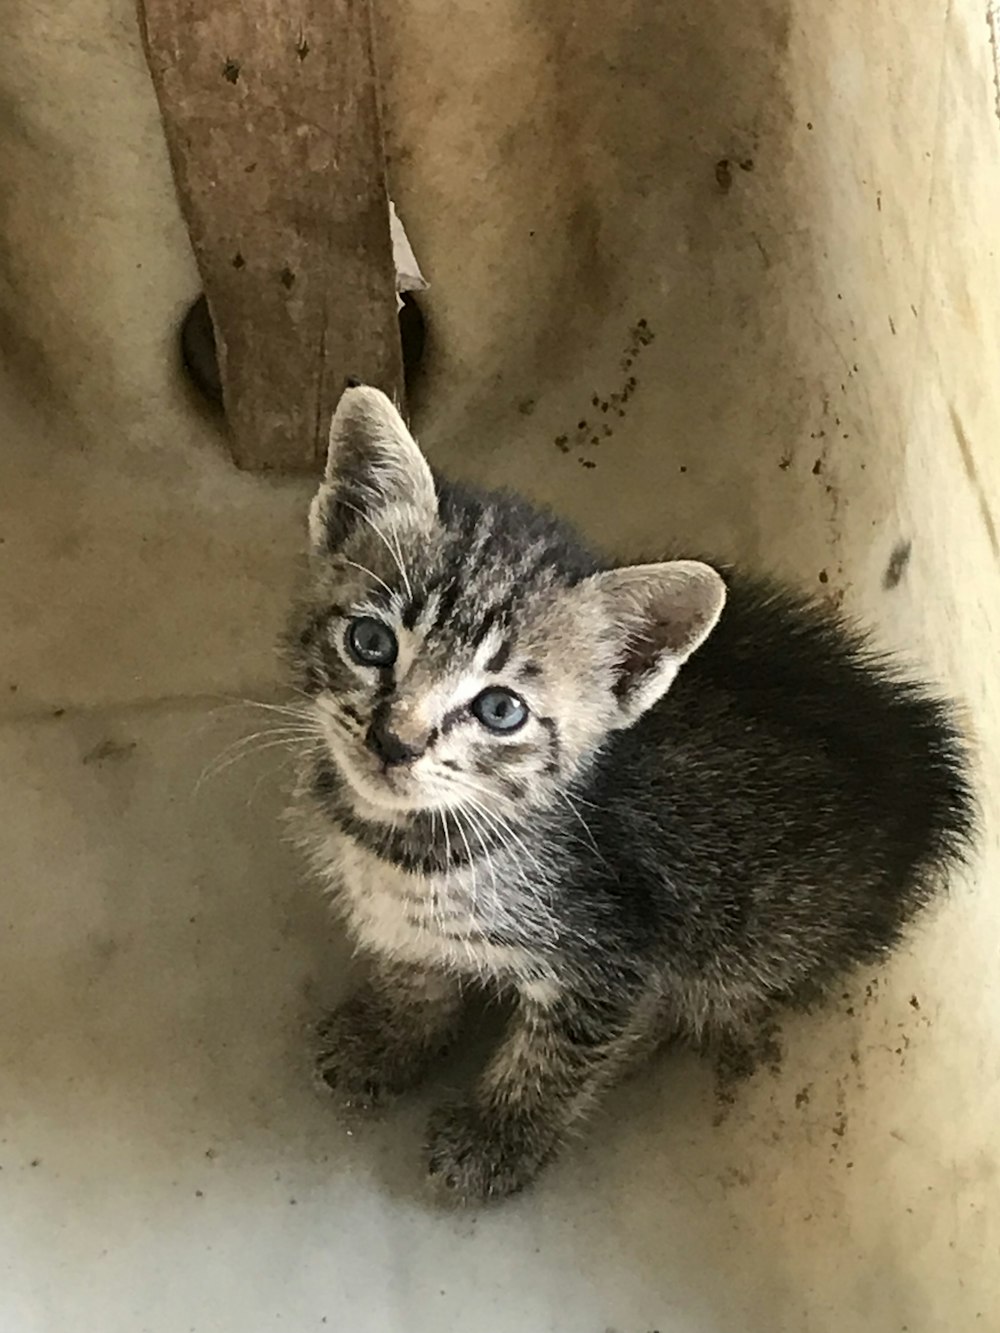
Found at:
[764, 236]
[271, 117]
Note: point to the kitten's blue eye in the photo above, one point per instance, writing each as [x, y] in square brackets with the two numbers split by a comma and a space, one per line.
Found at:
[371, 643]
[499, 709]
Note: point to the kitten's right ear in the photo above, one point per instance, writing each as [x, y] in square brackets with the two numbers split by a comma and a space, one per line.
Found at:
[659, 615]
[373, 468]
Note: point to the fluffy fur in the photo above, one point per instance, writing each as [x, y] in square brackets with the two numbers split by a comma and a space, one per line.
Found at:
[720, 796]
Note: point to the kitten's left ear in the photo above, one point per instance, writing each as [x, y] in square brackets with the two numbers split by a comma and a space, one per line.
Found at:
[659, 615]
[373, 466]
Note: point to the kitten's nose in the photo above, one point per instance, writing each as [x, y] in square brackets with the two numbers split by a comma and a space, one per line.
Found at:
[389, 747]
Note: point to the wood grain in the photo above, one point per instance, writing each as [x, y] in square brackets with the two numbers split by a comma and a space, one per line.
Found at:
[271, 114]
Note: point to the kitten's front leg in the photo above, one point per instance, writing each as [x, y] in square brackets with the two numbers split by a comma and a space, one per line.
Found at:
[553, 1064]
[382, 1039]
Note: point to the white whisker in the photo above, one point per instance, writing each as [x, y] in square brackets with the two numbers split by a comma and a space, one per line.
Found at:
[385, 542]
[499, 822]
[401, 562]
[277, 773]
[370, 572]
[283, 710]
[474, 824]
[487, 857]
[435, 896]
[246, 747]
[540, 882]
[474, 900]
[583, 823]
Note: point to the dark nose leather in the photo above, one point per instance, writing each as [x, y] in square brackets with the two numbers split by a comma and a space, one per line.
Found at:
[388, 747]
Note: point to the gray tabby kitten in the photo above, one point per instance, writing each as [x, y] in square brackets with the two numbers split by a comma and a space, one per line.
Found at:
[641, 800]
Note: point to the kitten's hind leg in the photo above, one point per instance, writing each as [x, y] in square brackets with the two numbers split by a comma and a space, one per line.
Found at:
[556, 1059]
[383, 1038]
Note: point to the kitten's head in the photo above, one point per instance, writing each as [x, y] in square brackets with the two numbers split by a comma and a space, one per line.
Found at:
[464, 649]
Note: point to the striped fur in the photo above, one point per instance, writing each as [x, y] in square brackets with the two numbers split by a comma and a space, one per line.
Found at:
[677, 836]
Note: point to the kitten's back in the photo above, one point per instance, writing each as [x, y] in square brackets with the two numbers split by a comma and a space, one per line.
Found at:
[794, 786]
[815, 677]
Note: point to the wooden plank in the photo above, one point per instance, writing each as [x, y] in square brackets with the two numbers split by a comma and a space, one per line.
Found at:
[272, 121]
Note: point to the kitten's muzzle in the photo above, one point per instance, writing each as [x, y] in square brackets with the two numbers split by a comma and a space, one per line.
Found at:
[391, 749]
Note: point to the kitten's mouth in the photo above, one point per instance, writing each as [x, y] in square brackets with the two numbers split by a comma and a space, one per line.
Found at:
[374, 784]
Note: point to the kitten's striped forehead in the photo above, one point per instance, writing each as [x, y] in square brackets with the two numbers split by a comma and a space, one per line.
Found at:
[494, 557]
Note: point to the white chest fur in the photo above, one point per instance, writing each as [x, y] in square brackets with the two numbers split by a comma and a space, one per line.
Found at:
[430, 921]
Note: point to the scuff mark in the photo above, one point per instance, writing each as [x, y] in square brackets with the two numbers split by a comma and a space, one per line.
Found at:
[993, 24]
[972, 472]
[896, 567]
[109, 750]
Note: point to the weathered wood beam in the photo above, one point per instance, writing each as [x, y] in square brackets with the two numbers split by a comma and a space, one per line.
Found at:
[271, 114]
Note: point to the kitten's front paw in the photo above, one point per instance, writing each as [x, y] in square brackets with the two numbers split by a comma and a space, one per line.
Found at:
[354, 1061]
[346, 1066]
[474, 1157]
[359, 1060]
